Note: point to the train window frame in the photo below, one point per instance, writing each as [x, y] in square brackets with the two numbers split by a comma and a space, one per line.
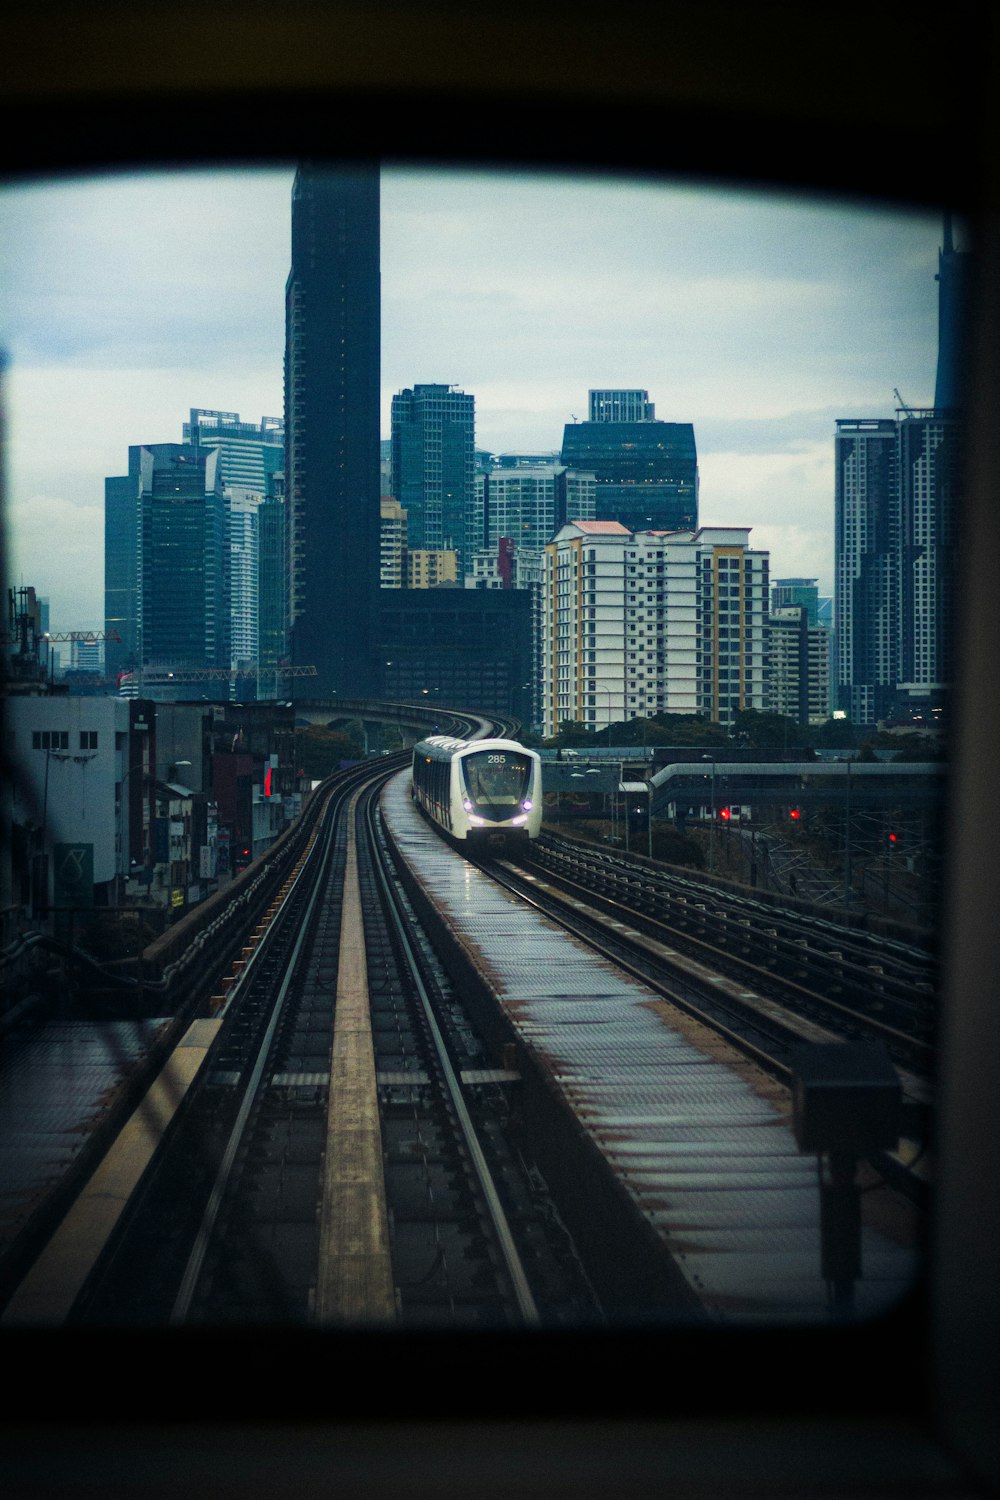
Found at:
[58, 121]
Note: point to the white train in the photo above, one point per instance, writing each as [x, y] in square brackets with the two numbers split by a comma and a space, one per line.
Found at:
[486, 792]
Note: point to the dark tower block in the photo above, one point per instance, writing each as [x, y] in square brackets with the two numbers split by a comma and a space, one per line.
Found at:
[332, 331]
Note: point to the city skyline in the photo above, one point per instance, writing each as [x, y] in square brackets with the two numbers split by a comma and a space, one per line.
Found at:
[758, 319]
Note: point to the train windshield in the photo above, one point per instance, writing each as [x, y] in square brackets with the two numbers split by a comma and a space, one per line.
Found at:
[496, 780]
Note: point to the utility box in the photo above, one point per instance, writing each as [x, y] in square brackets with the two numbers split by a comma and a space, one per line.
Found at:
[846, 1096]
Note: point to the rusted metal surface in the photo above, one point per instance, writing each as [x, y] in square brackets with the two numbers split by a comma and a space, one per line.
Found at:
[699, 1136]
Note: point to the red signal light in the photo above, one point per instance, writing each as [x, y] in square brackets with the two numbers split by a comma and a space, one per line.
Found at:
[795, 813]
[725, 814]
[894, 838]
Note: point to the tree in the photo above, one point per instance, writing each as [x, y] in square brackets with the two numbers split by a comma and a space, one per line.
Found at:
[318, 752]
[835, 734]
[766, 731]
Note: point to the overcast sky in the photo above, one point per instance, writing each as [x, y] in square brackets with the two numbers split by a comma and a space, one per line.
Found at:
[126, 301]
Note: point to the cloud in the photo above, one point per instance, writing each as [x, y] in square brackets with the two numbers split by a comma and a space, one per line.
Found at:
[788, 499]
[53, 543]
[129, 299]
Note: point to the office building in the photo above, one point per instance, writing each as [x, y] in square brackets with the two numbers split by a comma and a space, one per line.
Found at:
[121, 571]
[184, 558]
[620, 406]
[385, 468]
[249, 453]
[639, 623]
[954, 280]
[789, 592]
[86, 653]
[646, 471]
[459, 648]
[528, 504]
[433, 464]
[332, 323]
[167, 563]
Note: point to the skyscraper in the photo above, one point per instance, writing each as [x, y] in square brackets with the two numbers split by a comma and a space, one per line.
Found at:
[332, 329]
[954, 296]
[647, 471]
[121, 571]
[620, 406]
[183, 557]
[434, 464]
[898, 488]
[867, 566]
[931, 460]
[249, 452]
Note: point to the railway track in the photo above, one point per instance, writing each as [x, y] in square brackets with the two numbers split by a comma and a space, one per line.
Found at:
[854, 982]
[241, 1217]
[763, 1013]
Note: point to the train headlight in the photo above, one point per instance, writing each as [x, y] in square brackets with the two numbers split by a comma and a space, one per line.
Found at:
[527, 804]
[467, 805]
[521, 818]
[477, 822]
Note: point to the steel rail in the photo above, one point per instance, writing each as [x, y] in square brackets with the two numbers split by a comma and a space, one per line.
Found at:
[892, 1035]
[319, 855]
[505, 1239]
[896, 1173]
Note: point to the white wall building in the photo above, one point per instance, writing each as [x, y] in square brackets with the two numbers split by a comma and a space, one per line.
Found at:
[638, 623]
[244, 561]
[70, 757]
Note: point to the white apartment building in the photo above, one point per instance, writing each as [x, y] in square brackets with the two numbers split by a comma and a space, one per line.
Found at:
[638, 623]
[244, 553]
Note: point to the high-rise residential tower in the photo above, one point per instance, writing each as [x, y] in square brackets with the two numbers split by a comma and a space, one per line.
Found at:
[898, 490]
[640, 623]
[332, 330]
[931, 458]
[434, 465]
[867, 564]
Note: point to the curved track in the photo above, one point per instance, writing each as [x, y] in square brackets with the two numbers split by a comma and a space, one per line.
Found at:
[237, 1218]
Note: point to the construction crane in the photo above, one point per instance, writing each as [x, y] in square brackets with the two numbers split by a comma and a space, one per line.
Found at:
[161, 676]
[80, 635]
[900, 402]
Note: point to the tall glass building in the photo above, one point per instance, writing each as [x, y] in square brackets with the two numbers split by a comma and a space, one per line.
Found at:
[434, 465]
[183, 572]
[332, 331]
[646, 471]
